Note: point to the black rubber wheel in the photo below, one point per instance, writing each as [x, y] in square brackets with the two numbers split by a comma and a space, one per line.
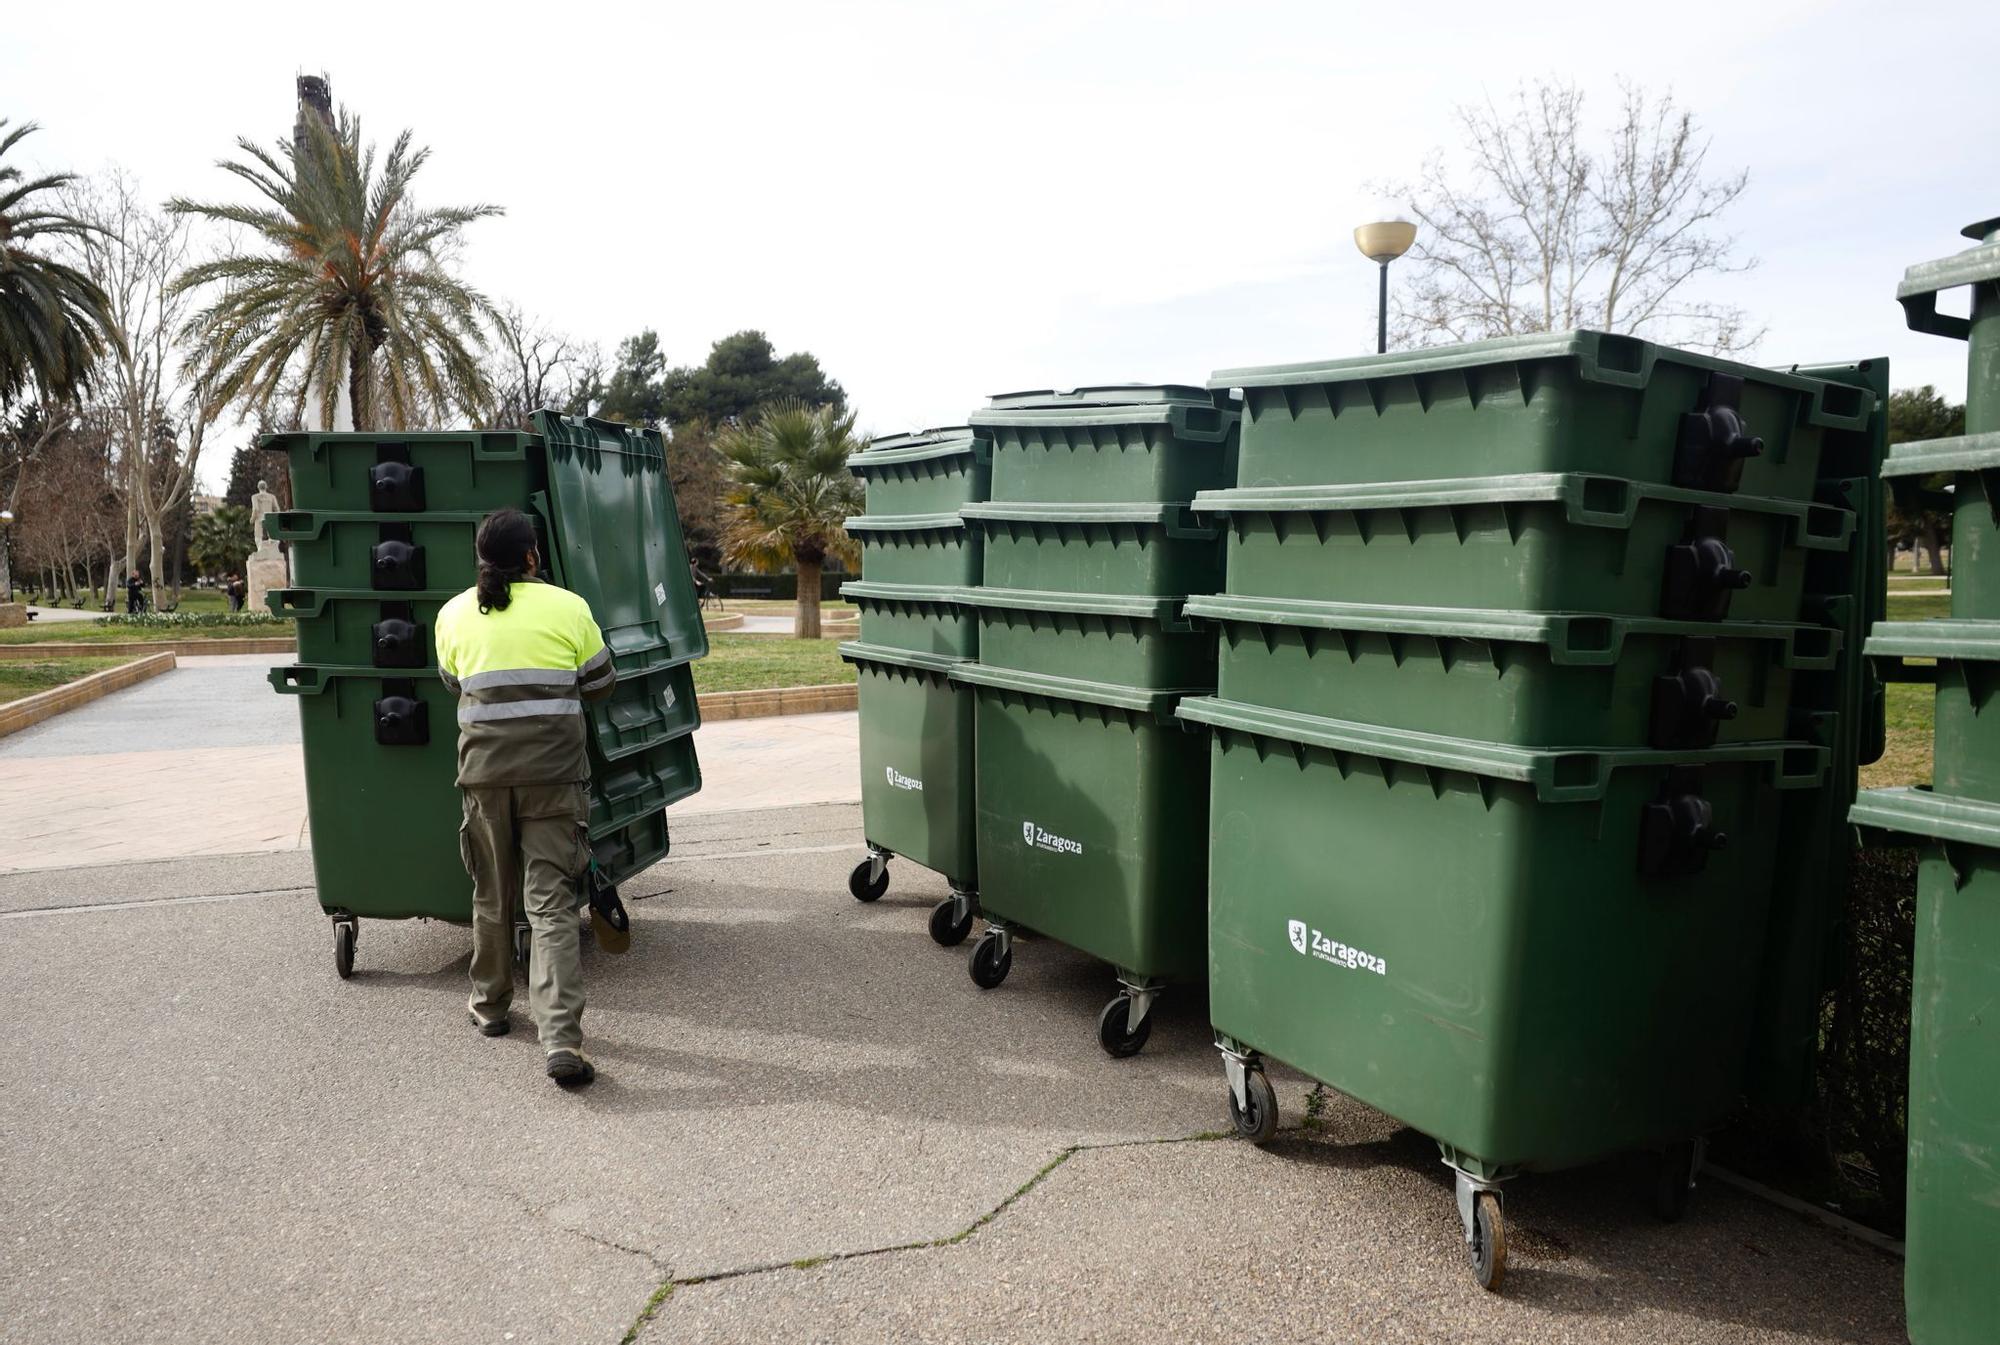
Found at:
[1257, 1122]
[343, 949]
[988, 965]
[1114, 1036]
[950, 932]
[1488, 1248]
[524, 943]
[1673, 1187]
[863, 890]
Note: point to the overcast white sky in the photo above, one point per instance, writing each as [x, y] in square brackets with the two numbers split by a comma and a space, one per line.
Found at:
[945, 200]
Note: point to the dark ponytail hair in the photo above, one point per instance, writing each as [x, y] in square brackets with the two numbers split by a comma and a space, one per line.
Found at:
[506, 539]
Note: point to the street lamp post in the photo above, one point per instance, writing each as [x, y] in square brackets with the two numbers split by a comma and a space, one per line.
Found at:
[1382, 243]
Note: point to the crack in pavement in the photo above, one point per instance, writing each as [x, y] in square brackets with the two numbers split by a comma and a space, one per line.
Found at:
[671, 1285]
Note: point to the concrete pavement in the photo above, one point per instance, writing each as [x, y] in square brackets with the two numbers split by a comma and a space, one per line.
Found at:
[208, 1137]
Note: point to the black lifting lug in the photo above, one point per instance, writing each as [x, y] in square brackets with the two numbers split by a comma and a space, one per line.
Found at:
[1688, 705]
[1714, 442]
[1677, 830]
[1701, 571]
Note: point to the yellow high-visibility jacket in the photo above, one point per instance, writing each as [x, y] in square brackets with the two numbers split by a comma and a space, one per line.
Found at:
[521, 674]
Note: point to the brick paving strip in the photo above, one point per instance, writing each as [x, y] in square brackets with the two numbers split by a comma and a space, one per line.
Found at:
[31, 710]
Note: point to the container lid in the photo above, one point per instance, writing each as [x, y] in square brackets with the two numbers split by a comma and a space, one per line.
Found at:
[1960, 453]
[1924, 812]
[920, 446]
[1146, 606]
[311, 602]
[1103, 394]
[1922, 283]
[1943, 639]
[484, 444]
[937, 593]
[1146, 701]
[1599, 357]
[903, 522]
[615, 539]
[1589, 500]
[309, 679]
[853, 651]
[1557, 776]
[1573, 638]
[305, 525]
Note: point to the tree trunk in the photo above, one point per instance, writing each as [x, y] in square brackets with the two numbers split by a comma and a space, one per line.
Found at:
[806, 627]
[156, 556]
[1934, 548]
[357, 381]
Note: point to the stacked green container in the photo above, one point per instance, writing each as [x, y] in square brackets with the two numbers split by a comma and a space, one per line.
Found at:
[918, 557]
[1092, 810]
[1513, 641]
[1953, 1230]
[381, 536]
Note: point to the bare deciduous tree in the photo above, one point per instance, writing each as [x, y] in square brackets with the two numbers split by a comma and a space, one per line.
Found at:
[530, 366]
[1536, 230]
[165, 401]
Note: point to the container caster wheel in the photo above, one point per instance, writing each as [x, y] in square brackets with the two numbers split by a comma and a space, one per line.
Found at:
[1257, 1121]
[869, 880]
[1487, 1250]
[991, 960]
[1115, 1033]
[524, 942]
[1673, 1187]
[949, 923]
[344, 933]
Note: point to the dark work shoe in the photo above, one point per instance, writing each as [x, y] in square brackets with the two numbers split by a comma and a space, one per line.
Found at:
[571, 1069]
[489, 1027]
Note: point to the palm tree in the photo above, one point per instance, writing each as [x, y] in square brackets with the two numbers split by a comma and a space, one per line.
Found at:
[792, 495]
[344, 276]
[52, 316]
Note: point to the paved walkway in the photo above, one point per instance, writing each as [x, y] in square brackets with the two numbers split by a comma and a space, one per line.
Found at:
[809, 1126]
[205, 760]
[59, 615]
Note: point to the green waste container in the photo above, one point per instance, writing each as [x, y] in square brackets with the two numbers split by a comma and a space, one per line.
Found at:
[1952, 1234]
[1962, 658]
[363, 628]
[1534, 679]
[1132, 444]
[1098, 548]
[924, 618]
[1093, 831]
[635, 786]
[1538, 542]
[1576, 401]
[409, 473]
[930, 472]
[1125, 640]
[916, 777]
[931, 549]
[1538, 958]
[401, 553]
[1973, 501]
[1979, 268]
[381, 759]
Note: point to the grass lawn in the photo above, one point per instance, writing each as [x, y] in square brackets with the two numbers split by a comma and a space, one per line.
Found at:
[760, 662]
[96, 632]
[31, 676]
[1906, 760]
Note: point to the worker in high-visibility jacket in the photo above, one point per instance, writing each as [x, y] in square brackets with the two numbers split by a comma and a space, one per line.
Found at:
[522, 656]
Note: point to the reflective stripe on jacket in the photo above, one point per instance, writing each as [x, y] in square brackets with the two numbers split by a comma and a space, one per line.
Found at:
[521, 674]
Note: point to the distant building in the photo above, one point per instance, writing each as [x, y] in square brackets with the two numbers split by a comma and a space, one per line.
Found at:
[205, 504]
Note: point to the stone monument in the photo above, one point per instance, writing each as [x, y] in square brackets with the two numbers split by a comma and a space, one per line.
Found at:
[267, 569]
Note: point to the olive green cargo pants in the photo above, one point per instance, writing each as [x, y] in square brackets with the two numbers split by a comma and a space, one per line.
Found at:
[527, 844]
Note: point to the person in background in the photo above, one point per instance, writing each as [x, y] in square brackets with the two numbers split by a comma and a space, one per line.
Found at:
[522, 656]
[135, 595]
